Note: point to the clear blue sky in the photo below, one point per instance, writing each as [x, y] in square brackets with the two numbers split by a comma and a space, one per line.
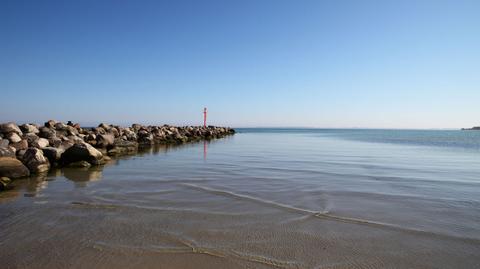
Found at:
[393, 64]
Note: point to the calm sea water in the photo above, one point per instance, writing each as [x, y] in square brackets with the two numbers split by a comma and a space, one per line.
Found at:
[288, 198]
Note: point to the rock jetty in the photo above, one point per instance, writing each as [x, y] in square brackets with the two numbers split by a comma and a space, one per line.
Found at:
[32, 149]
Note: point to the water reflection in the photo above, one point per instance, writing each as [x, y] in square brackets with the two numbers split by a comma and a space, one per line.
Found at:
[81, 177]
[205, 147]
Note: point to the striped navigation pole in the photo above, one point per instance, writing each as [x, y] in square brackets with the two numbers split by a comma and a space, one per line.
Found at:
[205, 117]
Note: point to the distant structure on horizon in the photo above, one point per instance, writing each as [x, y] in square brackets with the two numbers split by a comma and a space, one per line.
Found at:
[476, 128]
[205, 117]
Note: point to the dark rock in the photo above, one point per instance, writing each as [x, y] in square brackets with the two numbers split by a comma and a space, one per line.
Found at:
[20, 153]
[35, 161]
[12, 168]
[23, 144]
[53, 154]
[81, 152]
[10, 127]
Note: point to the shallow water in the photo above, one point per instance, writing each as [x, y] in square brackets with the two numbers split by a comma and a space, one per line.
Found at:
[264, 198]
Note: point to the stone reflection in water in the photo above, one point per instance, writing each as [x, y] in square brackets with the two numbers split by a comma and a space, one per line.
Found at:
[31, 187]
[81, 176]
[154, 149]
[35, 184]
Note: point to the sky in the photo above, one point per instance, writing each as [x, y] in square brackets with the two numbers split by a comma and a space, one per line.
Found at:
[262, 63]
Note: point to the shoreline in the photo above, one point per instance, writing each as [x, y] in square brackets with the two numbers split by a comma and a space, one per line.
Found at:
[30, 149]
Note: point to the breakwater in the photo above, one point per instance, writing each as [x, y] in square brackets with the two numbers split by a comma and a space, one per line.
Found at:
[32, 149]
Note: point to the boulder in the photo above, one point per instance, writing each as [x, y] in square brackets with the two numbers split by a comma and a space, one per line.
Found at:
[104, 126]
[40, 143]
[56, 142]
[53, 154]
[60, 126]
[81, 152]
[72, 130]
[12, 168]
[50, 124]
[14, 137]
[20, 153]
[99, 130]
[47, 133]
[136, 126]
[4, 143]
[65, 145]
[105, 140]
[114, 131]
[30, 137]
[29, 128]
[35, 161]
[10, 127]
[23, 144]
[7, 152]
[145, 139]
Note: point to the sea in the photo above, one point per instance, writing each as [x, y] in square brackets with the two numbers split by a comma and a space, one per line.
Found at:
[262, 198]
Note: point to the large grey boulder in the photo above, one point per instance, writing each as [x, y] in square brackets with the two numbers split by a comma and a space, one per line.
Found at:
[81, 152]
[35, 161]
[12, 168]
[10, 127]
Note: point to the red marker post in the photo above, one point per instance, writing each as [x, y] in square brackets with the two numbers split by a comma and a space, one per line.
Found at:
[205, 117]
